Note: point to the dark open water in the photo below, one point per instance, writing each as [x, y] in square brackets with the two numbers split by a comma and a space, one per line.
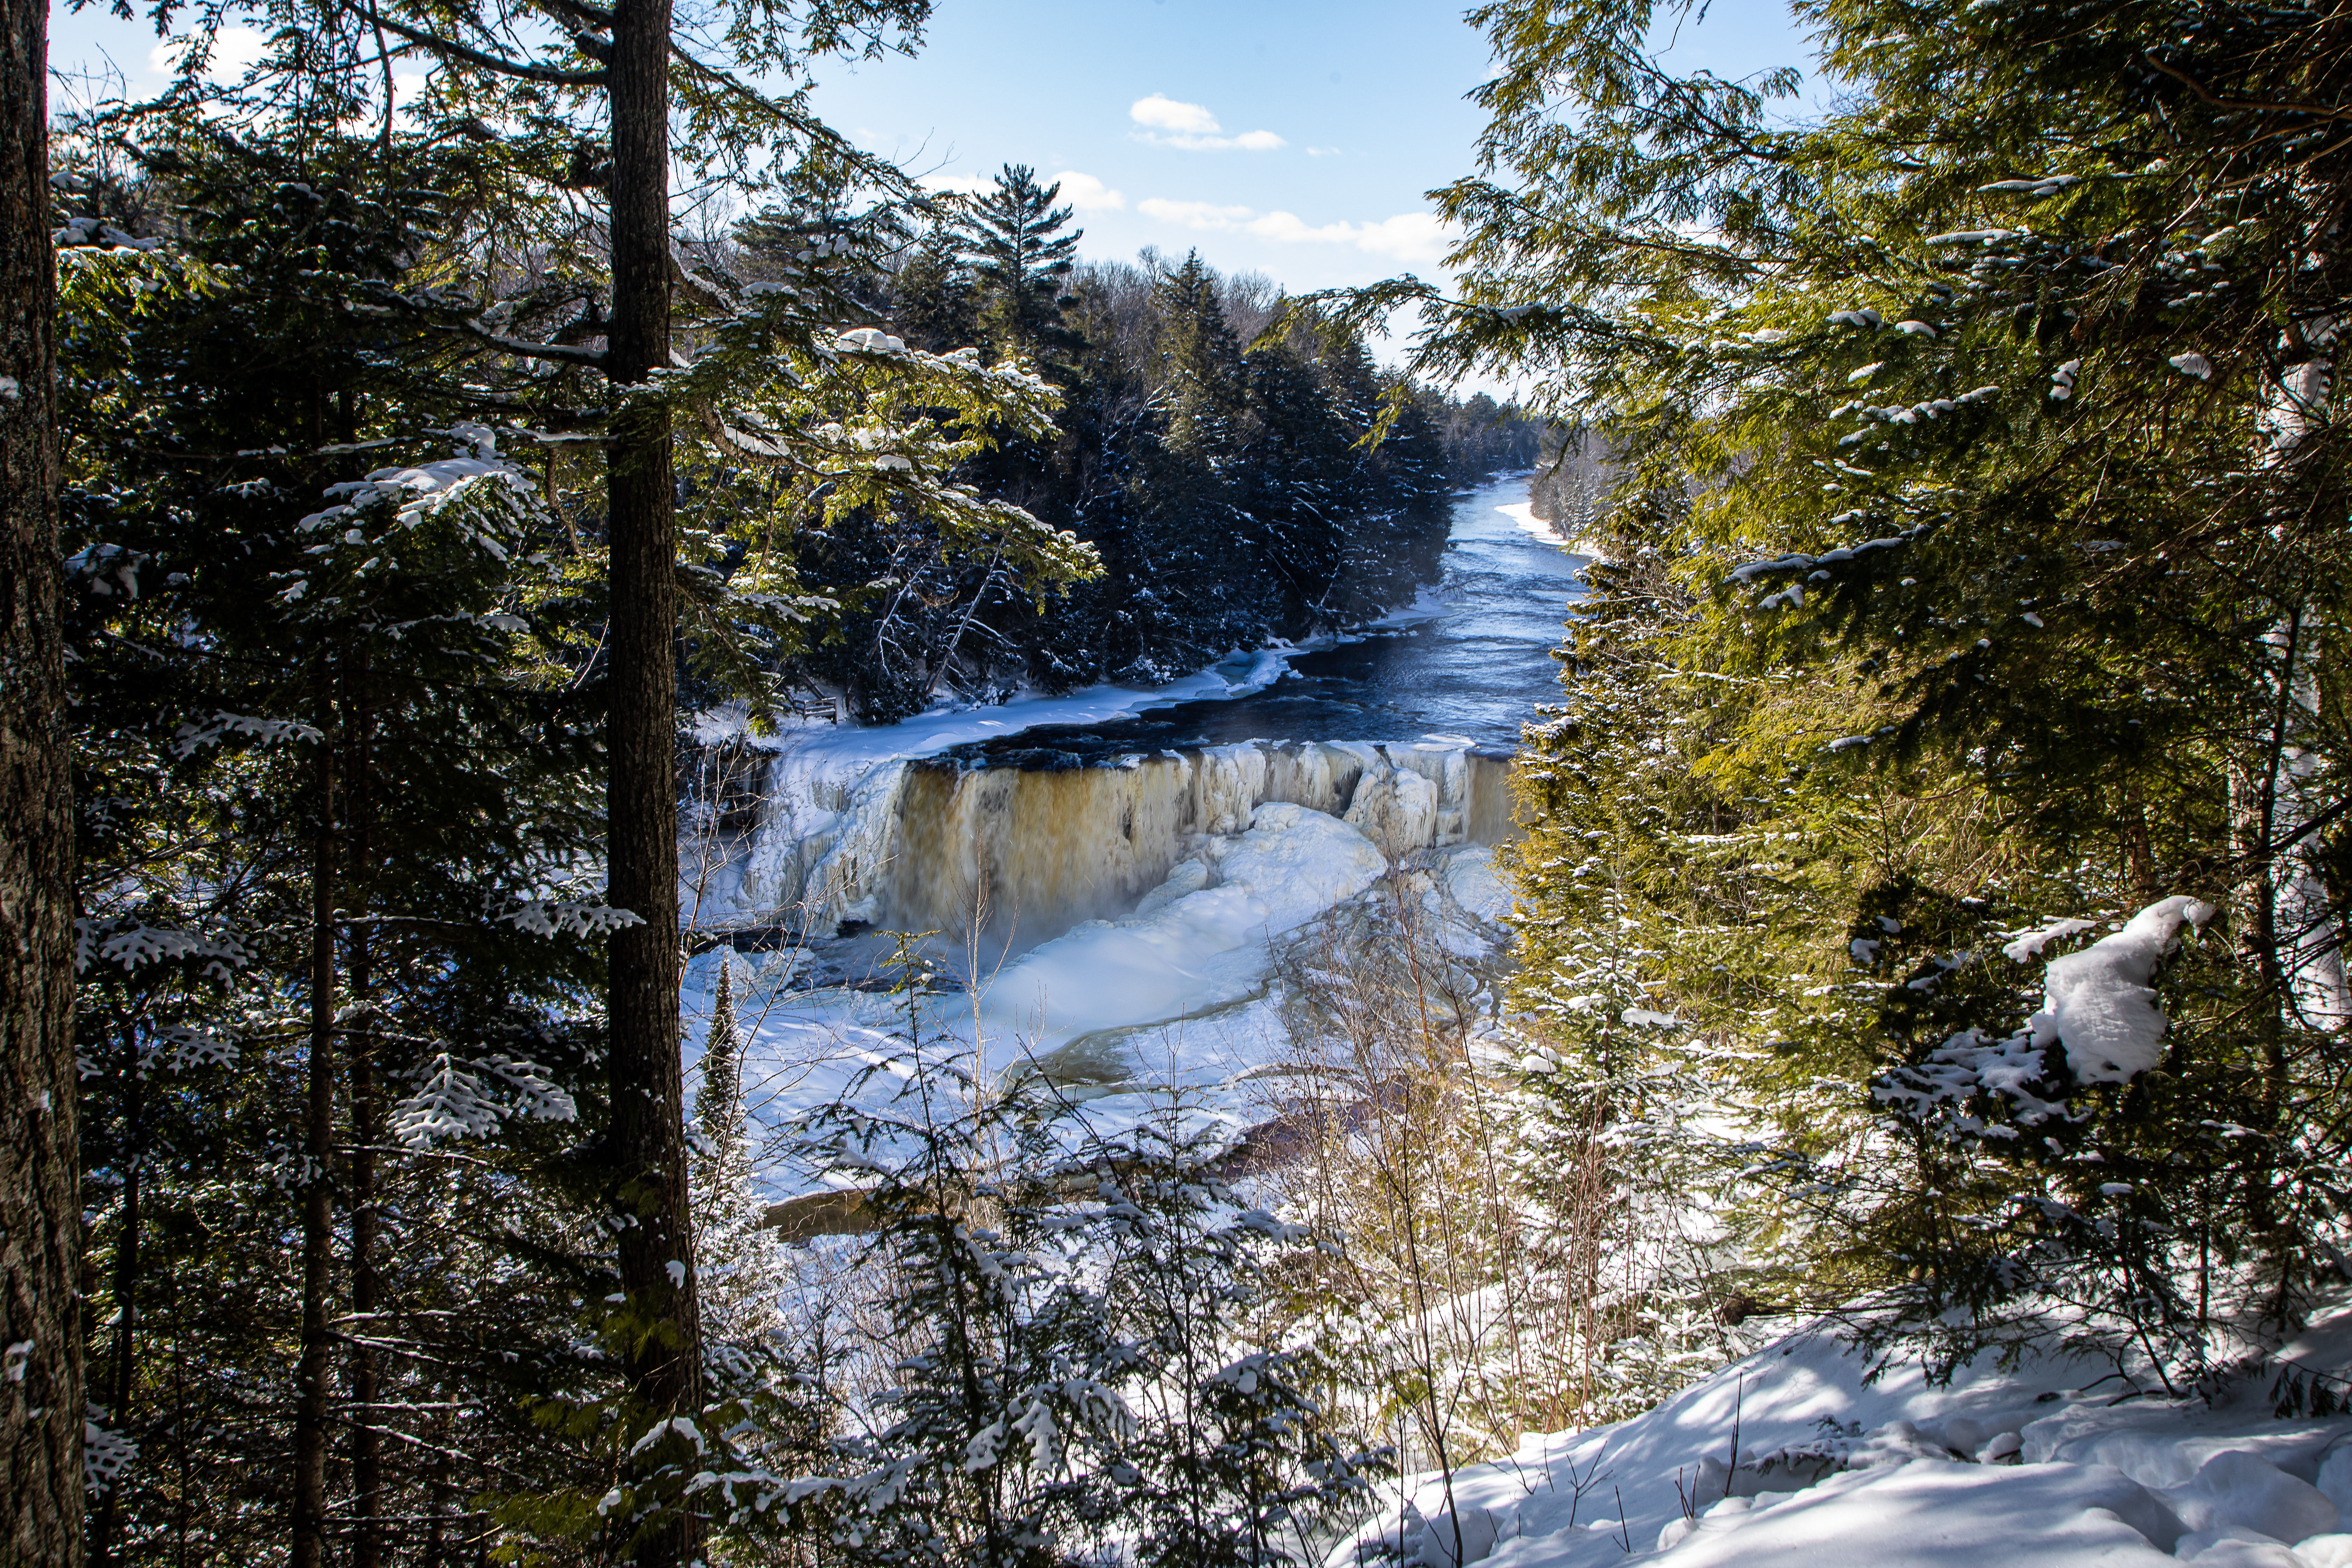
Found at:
[1477, 672]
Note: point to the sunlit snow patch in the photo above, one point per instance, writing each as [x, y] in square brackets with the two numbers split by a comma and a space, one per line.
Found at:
[1791, 1458]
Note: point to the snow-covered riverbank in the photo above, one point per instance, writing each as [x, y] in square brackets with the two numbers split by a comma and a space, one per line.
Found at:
[1118, 929]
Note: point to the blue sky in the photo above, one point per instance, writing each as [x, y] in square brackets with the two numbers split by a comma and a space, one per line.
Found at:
[1291, 137]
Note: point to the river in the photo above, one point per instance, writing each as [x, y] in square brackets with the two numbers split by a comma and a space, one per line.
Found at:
[1116, 903]
[1476, 668]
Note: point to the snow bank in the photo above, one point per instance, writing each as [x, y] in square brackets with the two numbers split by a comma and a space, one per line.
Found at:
[1788, 1459]
[1524, 514]
[1944, 1515]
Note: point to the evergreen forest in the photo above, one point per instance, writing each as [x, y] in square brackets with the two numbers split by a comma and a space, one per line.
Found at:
[336, 523]
[1925, 897]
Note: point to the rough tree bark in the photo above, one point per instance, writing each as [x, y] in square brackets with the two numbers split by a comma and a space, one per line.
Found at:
[640, 801]
[41, 1400]
[367, 1136]
[314, 1375]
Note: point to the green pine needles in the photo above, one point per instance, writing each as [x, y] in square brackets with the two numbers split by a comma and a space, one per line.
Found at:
[1083, 1357]
[1976, 559]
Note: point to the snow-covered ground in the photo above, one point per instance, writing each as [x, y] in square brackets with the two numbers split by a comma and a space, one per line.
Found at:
[1171, 1006]
[1790, 1458]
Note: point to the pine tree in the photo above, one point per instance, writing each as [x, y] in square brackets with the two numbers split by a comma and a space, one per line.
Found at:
[1071, 1365]
[745, 1274]
[719, 1103]
[610, 95]
[1020, 262]
[1996, 504]
[386, 961]
[934, 303]
[1206, 385]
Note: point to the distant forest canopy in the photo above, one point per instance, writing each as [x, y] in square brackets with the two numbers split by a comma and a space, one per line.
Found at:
[1571, 484]
[1220, 471]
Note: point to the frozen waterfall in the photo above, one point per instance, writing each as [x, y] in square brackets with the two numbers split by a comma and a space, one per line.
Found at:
[922, 845]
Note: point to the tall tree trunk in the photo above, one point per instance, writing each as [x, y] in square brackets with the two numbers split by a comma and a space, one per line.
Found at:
[313, 1376]
[640, 801]
[41, 1395]
[367, 1127]
[102, 1535]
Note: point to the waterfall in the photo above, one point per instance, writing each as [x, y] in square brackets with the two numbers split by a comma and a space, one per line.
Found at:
[925, 844]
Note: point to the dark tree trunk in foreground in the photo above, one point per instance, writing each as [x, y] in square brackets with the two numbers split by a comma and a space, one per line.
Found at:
[41, 1401]
[314, 1375]
[656, 1251]
[367, 1136]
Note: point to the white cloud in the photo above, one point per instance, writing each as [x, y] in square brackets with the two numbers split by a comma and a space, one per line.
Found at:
[1087, 194]
[1322, 151]
[1162, 113]
[1247, 142]
[1083, 192]
[1194, 215]
[1190, 126]
[235, 50]
[1407, 237]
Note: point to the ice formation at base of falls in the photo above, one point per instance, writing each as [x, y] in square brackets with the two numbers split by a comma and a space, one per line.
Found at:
[1181, 895]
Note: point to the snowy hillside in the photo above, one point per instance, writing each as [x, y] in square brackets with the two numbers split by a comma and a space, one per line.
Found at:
[2053, 1465]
